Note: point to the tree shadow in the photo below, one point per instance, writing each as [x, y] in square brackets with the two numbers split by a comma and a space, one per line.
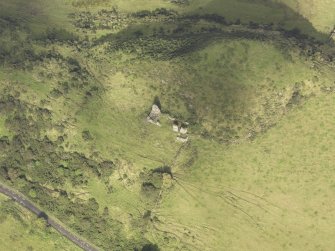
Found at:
[43, 215]
[157, 102]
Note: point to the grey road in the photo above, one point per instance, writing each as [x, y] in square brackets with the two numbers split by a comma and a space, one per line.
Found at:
[25, 203]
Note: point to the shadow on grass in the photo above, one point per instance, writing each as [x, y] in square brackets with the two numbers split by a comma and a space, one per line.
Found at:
[255, 20]
[263, 12]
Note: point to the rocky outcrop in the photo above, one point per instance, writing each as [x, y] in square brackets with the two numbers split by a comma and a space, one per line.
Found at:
[154, 115]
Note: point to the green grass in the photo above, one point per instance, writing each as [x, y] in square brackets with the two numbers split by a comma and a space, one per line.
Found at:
[25, 81]
[21, 230]
[222, 83]
[291, 173]
[119, 130]
[236, 89]
[38, 14]
[257, 172]
[3, 130]
[129, 6]
[319, 13]
[258, 11]
[289, 14]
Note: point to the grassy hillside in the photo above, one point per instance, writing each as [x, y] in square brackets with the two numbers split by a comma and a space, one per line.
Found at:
[254, 80]
[319, 13]
[272, 193]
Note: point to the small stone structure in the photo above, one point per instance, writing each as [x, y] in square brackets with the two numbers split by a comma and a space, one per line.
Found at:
[180, 128]
[175, 126]
[154, 115]
[183, 129]
[182, 139]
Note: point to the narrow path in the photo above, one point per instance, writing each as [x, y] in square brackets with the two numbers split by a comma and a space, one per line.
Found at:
[31, 207]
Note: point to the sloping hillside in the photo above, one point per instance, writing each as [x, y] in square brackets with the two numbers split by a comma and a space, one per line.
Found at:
[253, 82]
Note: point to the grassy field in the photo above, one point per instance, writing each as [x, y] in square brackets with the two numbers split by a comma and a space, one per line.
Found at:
[319, 13]
[272, 193]
[21, 230]
[3, 129]
[78, 79]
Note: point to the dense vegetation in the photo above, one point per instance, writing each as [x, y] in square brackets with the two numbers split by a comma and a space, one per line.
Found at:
[254, 80]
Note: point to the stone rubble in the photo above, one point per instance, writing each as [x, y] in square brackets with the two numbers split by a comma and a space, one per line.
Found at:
[179, 127]
[175, 128]
[154, 115]
[183, 130]
[182, 139]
